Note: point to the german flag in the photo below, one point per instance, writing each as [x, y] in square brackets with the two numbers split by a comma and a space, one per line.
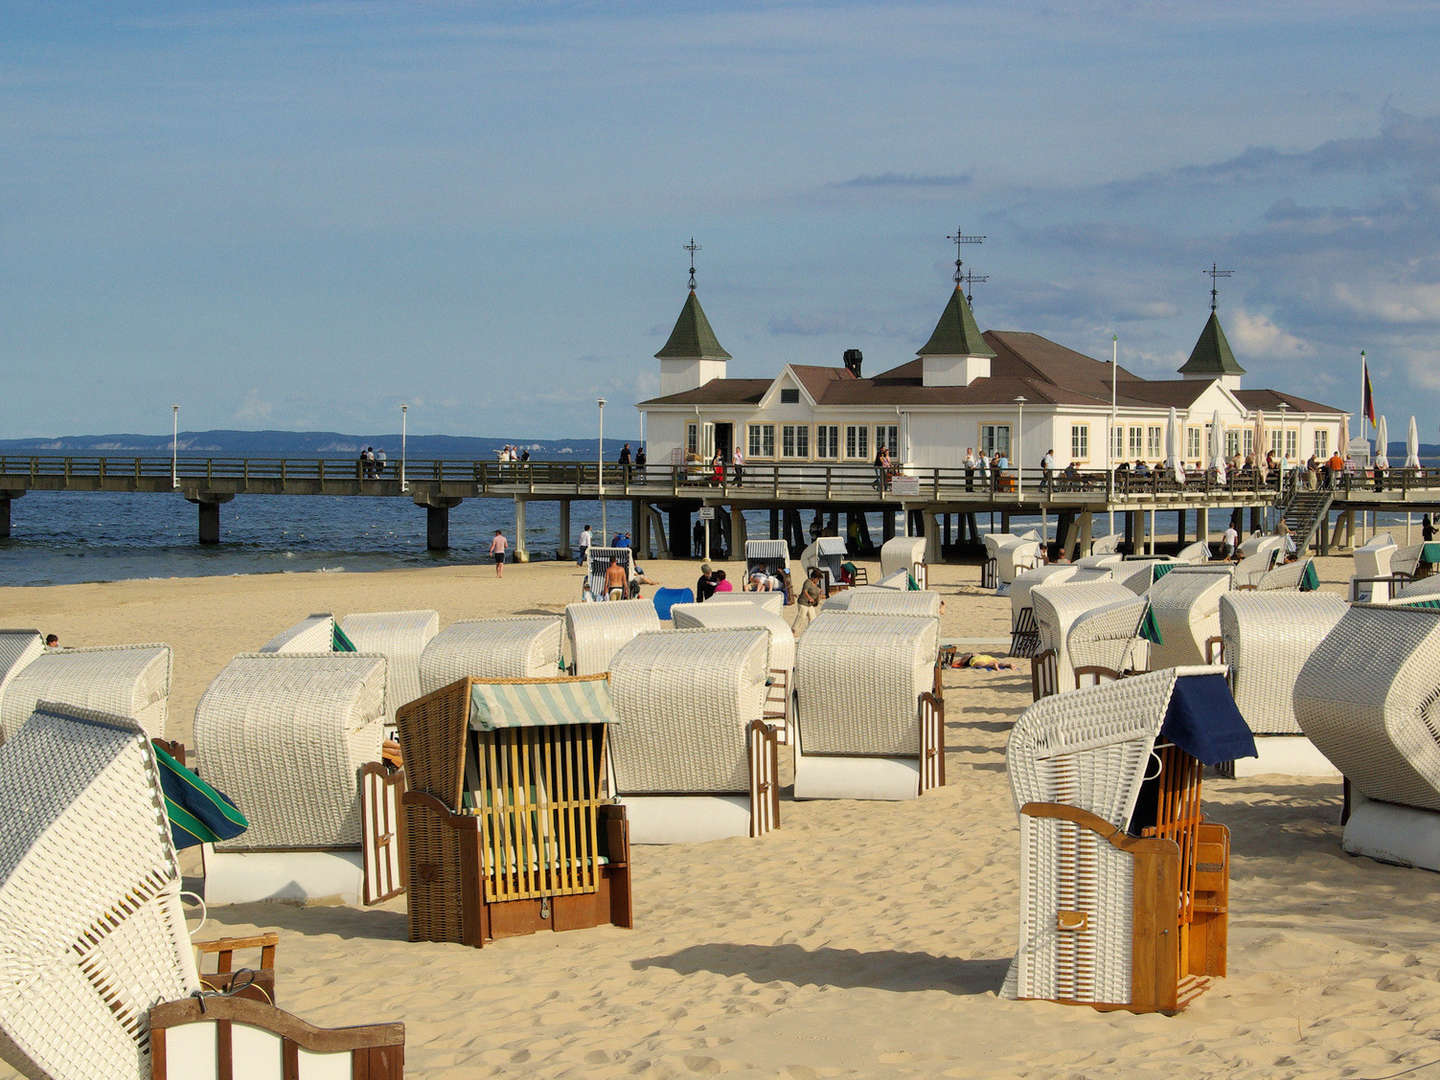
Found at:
[1369, 403]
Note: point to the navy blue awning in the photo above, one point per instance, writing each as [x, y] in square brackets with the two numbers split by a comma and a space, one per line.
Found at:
[1203, 721]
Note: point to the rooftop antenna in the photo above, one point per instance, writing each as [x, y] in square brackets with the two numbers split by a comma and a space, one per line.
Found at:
[693, 247]
[970, 278]
[958, 239]
[1215, 274]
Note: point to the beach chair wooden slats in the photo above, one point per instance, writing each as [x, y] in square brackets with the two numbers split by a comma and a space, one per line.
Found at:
[1044, 675]
[1025, 635]
[255, 981]
[223, 1038]
[763, 755]
[382, 844]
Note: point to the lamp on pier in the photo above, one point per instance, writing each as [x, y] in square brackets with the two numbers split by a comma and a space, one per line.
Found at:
[600, 472]
[174, 446]
[404, 410]
[1019, 447]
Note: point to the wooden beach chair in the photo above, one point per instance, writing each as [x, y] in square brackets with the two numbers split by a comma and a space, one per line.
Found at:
[1266, 637]
[1124, 887]
[295, 740]
[123, 680]
[519, 647]
[17, 649]
[693, 757]
[508, 827]
[595, 632]
[1186, 607]
[905, 553]
[400, 637]
[1366, 698]
[867, 723]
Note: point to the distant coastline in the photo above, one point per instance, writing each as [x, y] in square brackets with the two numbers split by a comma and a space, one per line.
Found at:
[235, 443]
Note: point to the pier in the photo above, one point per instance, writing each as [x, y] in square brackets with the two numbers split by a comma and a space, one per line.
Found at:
[942, 503]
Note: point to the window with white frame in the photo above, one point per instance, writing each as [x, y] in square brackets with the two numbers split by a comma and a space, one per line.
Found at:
[1292, 444]
[762, 440]
[888, 435]
[995, 438]
[1322, 444]
[1137, 442]
[692, 438]
[1275, 442]
[857, 441]
[1194, 443]
[1117, 443]
[1079, 442]
[1154, 441]
[795, 440]
[827, 440]
[1247, 440]
[1232, 443]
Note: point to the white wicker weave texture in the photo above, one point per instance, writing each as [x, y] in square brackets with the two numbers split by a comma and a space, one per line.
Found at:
[1187, 612]
[685, 699]
[1406, 560]
[891, 602]
[782, 638]
[858, 681]
[1057, 606]
[17, 649]
[1267, 638]
[595, 632]
[771, 601]
[400, 637]
[1053, 574]
[1105, 637]
[1136, 574]
[123, 680]
[314, 633]
[524, 647]
[90, 918]
[1250, 569]
[1426, 587]
[1287, 576]
[1367, 697]
[284, 735]
[1375, 559]
[901, 553]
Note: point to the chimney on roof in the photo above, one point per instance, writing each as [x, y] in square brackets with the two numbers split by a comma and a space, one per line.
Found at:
[853, 359]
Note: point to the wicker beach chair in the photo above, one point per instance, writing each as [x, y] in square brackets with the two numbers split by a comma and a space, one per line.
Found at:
[1286, 577]
[1373, 567]
[1007, 555]
[1024, 634]
[400, 637]
[773, 602]
[595, 632]
[1252, 568]
[1138, 574]
[827, 554]
[1426, 590]
[598, 562]
[1106, 545]
[1057, 607]
[692, 757]
[1100, 561]
[1198, 552]
[522, 647]
[314, 633]
[1257, 542]
[905, 553]
[123, 680]
[867, 723]
[772, 556]
[1266, 638]
[898, 581]
[781, 675]
[17, 649]
[879, 600]
[1366, 699]
[1105, 642]
[508, 828]
[294, 739]
[1124, 888]
[1186, 605]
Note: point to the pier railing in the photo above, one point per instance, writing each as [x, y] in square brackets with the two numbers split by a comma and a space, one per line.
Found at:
[789, 479]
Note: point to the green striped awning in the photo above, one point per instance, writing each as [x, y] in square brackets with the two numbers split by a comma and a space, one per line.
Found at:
[198, 813]
[1430, 553]
[1428, 602]
[339, 642]
[545, 703]
[1160, 570]
[1149, 628]
[1309, 580]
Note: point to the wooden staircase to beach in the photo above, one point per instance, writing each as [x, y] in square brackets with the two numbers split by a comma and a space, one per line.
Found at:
[1303, 512]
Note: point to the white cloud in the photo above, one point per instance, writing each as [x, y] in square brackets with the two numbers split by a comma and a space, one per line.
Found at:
[1392, 301]
[1256, 334]
[253, 409]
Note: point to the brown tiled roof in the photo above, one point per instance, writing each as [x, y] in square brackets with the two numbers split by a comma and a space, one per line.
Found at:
[817, 380]
[718, 392]
[1271, 399]
[1167, 393]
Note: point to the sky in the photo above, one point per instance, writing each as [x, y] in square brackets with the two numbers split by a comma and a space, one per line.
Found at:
[300, 215]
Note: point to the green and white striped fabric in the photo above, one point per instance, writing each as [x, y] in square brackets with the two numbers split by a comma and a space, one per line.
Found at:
[339, 642]
[540, 704]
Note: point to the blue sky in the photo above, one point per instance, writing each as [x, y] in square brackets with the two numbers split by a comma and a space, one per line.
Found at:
[297, 215]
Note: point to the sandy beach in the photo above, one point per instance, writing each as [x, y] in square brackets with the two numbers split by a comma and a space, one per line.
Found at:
[860, 939]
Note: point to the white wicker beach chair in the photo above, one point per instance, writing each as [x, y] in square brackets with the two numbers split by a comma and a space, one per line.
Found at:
[771, 555]
[1024, 635]
[1366, 699]
[773, 602]
[286, 736]
[1252, 568]
[1106, 545]
[1257, 542]
[595, 632]
[899, 581]
[94, 934]
[599, 562]
[1137, 575]
[1056, 609]
[1011, 554]
[782, 638]
[867, 725]
[400, 637]
[1427, 588]
[17, 649]
[1198, 552]
[905, 553]
[827, 554]
[1406, 559]
[522, 647]
[124, 680]
[1105, 641]
[692, 757]
[314, 633]
[1266, 638]
[1373, 560]
[1123, 888]
[880, 600]
[1286, 577]
[1102, 561]
[1186, 603]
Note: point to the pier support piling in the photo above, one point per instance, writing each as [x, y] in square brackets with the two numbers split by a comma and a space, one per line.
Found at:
[6, 498]
[521, 553]
[437, 519]
[563, 550]
[208, 504]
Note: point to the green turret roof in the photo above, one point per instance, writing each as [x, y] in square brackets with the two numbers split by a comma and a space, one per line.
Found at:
[956, 334]
[692, 337]
[1212, 355]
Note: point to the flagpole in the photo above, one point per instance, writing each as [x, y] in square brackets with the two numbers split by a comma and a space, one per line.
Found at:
[1110, 449]
[1362, 390]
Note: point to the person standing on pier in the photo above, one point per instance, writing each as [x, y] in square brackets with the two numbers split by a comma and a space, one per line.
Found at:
[970, 464]
[625, 462]
[380, 463]
[497, 552]
[1047, 463]
[737, 459]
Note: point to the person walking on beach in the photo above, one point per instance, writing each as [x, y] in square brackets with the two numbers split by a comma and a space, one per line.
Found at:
[807, 602]
[585, 539]
[497, 552]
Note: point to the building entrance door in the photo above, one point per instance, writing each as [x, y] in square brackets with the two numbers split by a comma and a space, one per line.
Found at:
[724, 436]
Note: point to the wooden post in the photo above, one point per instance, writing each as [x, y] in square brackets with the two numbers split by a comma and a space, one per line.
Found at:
[1087, 527]
[437, 528]
[680, 537]
[563, 550]
[5, 517]
[887, 524]
[774, 523]
[521, 553]
[932, 536]
[1202, 524]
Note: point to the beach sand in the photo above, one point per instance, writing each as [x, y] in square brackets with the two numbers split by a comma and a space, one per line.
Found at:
[860, 939]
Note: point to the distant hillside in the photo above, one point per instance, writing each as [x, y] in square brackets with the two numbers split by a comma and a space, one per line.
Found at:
[301, 444]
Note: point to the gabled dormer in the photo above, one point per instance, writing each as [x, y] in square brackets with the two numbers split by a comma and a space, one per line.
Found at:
[956, 354]
[1211, 358]
[692, 356]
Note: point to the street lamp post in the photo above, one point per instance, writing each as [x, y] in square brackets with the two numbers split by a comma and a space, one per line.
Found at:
[404, 411]
[174, 446]
[1019, 448]
[600, 473]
